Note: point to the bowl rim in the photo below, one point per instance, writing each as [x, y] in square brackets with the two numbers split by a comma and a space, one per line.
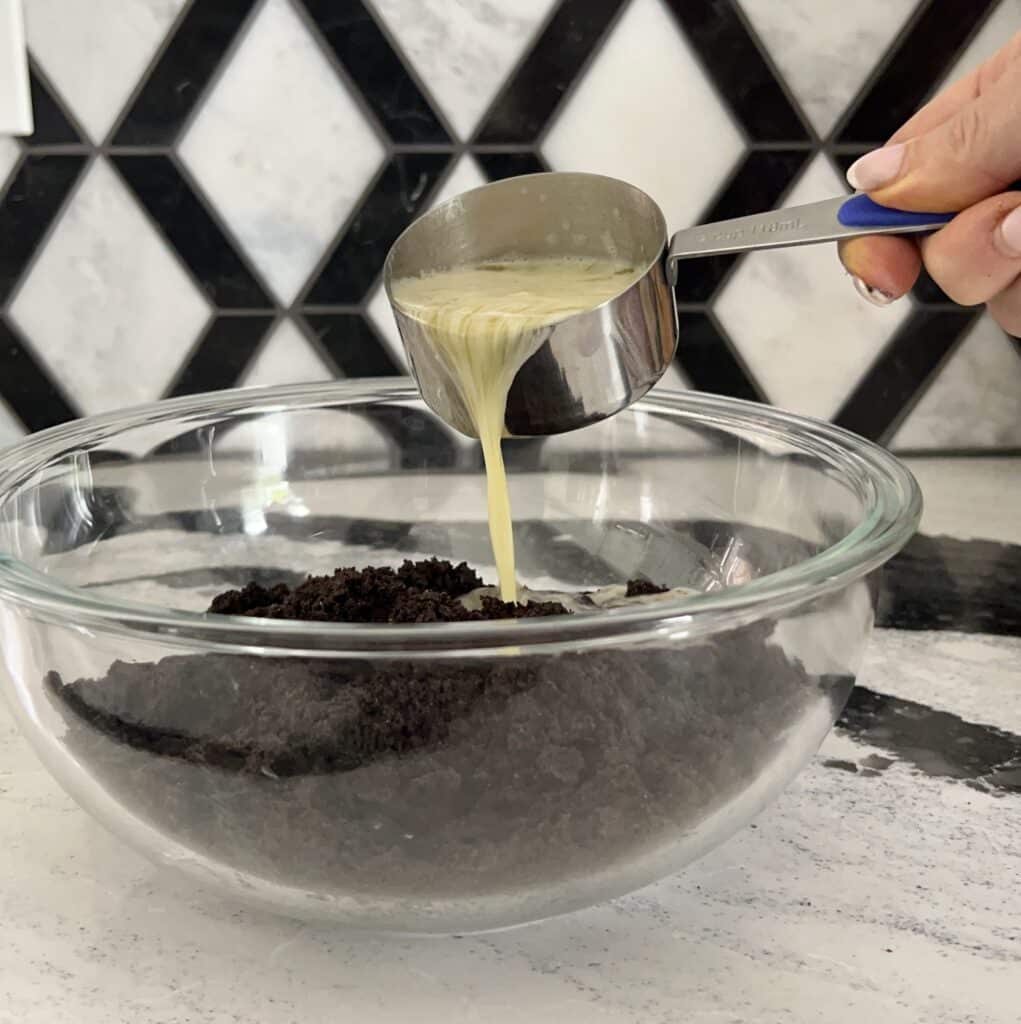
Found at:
[891, 495]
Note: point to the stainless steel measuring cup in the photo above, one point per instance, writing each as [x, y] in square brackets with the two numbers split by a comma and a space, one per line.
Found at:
[592, 365]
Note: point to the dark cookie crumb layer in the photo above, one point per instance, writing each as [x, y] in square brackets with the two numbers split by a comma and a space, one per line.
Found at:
[425, 591]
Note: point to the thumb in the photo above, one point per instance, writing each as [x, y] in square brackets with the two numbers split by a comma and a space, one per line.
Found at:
[974, 154]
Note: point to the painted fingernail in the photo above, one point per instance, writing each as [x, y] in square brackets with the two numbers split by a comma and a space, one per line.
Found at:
[1010, 234]
[876, 169]
[874, 295]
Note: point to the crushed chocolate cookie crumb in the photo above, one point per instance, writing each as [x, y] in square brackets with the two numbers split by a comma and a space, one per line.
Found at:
[425, 591]
[398, 780]
[641, 588]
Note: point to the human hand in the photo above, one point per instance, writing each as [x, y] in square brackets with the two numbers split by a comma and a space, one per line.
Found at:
[960, 152]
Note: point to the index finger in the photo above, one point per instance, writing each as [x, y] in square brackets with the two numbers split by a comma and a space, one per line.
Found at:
[949, 101]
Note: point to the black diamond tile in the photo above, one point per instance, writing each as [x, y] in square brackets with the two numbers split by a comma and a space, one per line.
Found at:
[363, 49]
[509, 165]
[353, 345]
[739, 71]
[36, 193]
[188, 226]
[396, 198]
[898, 377]
[928, 292]
[707, 359]
[222, 354]
[916, 63]
[526, 105]
[759, 183]
[27, 388]
[52, 127]
[182, 73]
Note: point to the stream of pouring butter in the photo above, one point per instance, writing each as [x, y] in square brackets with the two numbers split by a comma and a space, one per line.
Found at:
[484, 321]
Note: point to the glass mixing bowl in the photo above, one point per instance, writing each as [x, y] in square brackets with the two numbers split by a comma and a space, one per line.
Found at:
[444, 777]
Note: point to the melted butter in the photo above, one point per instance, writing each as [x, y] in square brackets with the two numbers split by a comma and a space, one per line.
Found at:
[485, 321]
[612, 596]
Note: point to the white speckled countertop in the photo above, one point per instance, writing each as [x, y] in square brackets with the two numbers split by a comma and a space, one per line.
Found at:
[884, 885]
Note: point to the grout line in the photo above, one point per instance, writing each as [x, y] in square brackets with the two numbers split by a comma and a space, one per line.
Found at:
[193, 349]
[355, 212]
[334, 244]
[959, 52]
[47, 235]
[707, 76]
[225, 62]
[735, 353]
[267, 336]
[157, 228]
[8, 180]
[783, 147]
[347, 82]
[877, 72]
[45, 369]
[905, 410]
[316, 342]
[325, 310]
[766, 53]
[515, 69]
[200, 342]
[580, 73]
[143, 81]
[240, 314]
[217, 218]
[62, 105]
[409, 67]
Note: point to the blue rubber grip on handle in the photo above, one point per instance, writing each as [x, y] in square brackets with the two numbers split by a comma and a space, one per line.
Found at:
[861, 212]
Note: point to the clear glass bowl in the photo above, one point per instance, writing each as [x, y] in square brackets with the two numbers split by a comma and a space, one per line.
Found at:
[442, 777]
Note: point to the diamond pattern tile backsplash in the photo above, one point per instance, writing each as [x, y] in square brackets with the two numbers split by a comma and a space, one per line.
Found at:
[213, 185]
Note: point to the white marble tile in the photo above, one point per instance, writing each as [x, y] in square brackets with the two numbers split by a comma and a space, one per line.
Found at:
[798, 322]
[998, 28]
[975, 399]
[463, 50]
[825, 49]
[466, 175]
[11, 428]
[281, 148]
[106, 304]
[95, 52]
[645, 112]
[286, 358]
[9, 153]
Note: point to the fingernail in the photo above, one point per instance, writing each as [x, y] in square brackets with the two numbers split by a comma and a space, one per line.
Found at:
[874, 295]
[876, 169]
[1010, 234]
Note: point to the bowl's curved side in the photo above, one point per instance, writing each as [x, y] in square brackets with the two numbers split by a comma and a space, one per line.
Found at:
[458, 796]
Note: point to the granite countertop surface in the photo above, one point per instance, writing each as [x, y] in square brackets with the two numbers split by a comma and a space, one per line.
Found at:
[885, 884]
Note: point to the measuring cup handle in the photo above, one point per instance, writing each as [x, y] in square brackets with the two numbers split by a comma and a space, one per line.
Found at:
[861, 213]
[828, 221]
